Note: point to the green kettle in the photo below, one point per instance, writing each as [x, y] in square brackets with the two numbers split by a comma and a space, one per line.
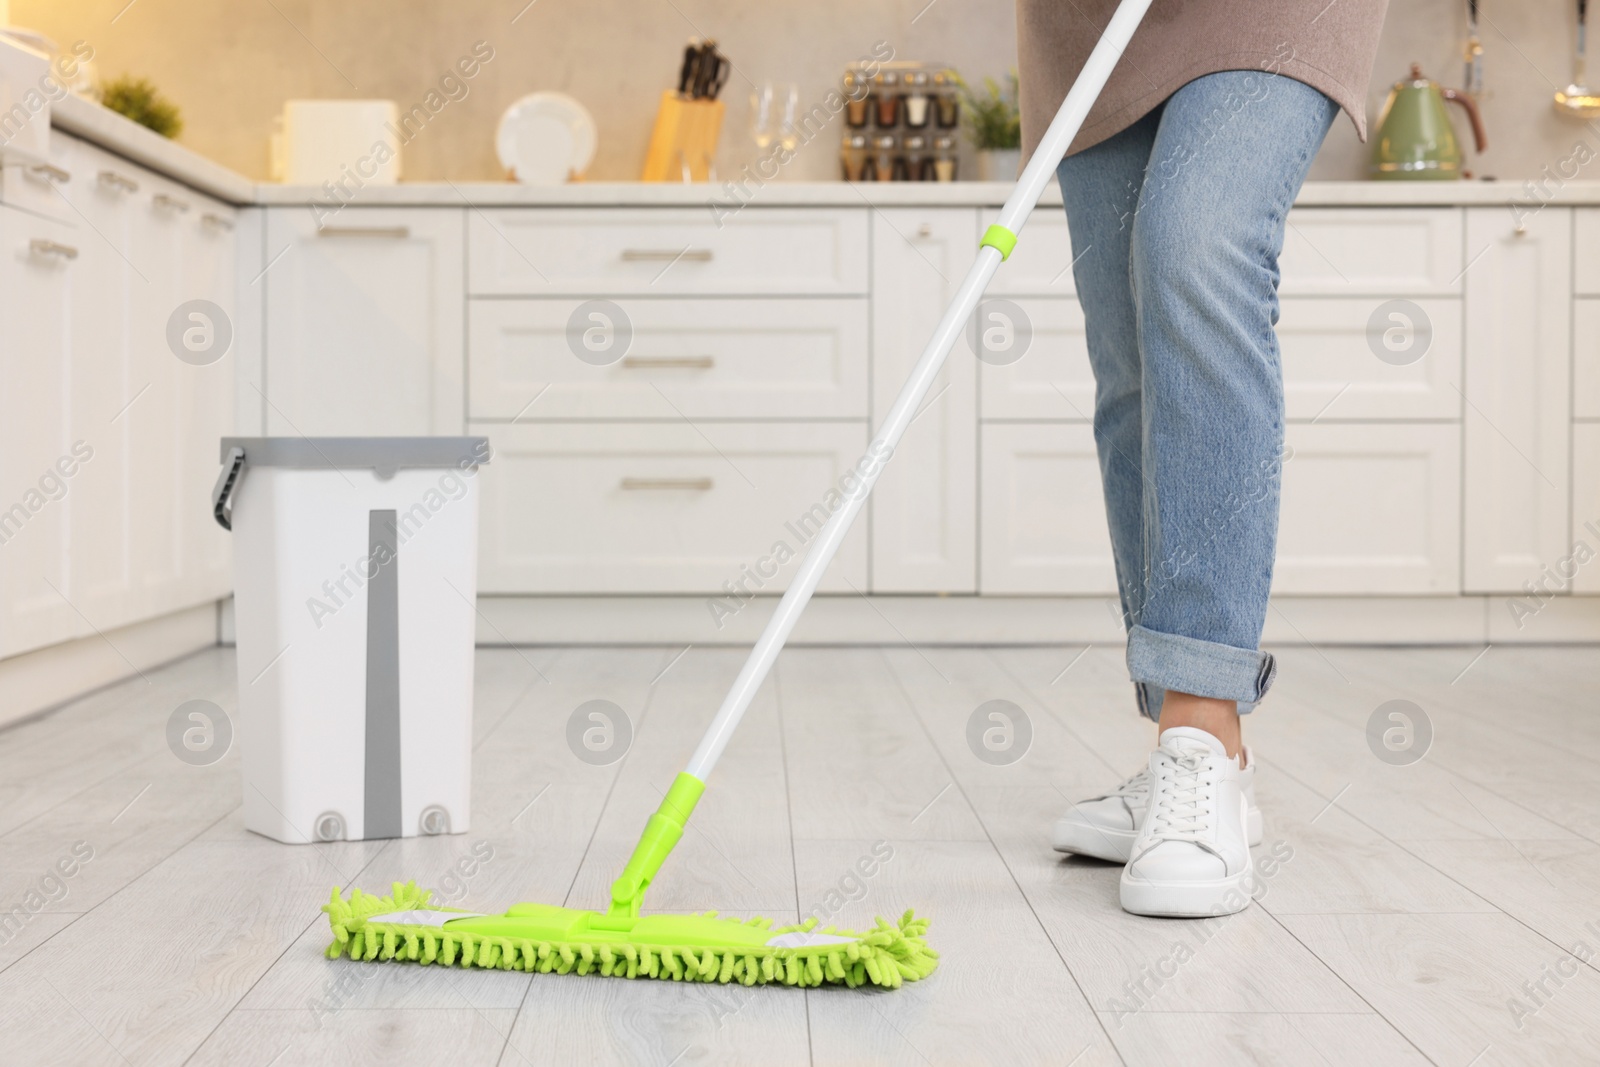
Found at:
[1414, 140]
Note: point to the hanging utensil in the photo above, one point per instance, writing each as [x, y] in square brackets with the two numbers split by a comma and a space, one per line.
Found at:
[1578, 100]
[1473, 81]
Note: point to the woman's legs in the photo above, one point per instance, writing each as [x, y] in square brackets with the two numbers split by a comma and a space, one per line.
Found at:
[1176, 227]
[1180, 301]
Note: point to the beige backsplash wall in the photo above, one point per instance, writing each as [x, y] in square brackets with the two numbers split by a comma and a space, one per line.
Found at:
[231, 65]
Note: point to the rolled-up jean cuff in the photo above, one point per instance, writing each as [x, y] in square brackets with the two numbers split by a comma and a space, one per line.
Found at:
[1201, 668]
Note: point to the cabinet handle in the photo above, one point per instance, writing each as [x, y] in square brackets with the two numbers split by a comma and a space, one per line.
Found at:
[660, 255]
[698, 485]
[365, 231]
[41, 246]
[112, 180]
[45, 172]
[211, 218]
[686, 362]
[170, 203]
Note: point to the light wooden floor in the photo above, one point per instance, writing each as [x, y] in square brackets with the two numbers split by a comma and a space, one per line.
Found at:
[1415, 903]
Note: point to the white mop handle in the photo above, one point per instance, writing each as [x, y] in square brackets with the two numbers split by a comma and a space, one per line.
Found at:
[1030, 186]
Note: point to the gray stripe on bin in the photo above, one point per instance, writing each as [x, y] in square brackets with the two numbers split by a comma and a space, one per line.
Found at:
[382, 791]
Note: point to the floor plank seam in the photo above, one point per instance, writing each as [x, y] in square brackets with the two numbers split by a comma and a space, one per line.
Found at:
[910, 704]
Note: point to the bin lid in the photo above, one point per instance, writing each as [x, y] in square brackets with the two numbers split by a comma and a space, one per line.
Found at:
[385, 455]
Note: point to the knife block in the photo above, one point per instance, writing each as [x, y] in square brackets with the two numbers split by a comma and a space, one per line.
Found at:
[684, 141]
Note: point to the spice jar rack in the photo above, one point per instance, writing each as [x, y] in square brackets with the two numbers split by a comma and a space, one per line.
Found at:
[900, 122]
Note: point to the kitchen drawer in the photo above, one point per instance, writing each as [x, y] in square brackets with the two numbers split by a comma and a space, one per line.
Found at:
[1331, 373]
[1381, 252]
[1326, 358]
[1586, 358]
[661, 507]
[40, 187]
[1371, 509]
[1366, 509]
[1053, 380]
[1043, 518]
[667, 252]
[1041, 264]
[1586, 251]
[729, 359]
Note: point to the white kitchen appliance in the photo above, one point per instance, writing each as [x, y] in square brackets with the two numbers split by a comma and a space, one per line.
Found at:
[350, 142]
[355, 583]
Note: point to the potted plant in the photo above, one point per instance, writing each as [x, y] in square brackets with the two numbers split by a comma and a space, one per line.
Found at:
[994, 122]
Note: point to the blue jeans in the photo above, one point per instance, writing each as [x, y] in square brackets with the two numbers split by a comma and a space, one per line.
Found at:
[1176, 227]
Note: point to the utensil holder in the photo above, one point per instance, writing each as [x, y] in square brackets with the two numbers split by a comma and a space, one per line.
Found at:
[684, 141]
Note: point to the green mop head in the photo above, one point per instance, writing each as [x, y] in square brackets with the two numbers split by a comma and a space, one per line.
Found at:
[620, 942]
[682, 948]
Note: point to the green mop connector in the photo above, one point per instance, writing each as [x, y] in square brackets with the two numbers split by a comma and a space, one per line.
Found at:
[661, 833]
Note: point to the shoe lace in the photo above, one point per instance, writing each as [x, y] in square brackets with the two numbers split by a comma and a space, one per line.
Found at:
[1135, 788]
[1181, 809]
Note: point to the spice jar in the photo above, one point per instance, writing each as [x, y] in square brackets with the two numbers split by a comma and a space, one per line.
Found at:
[852, 155]
[857, 99]
[887, 100]
[884, 168]
[919, 166]
[944, 158]
[917, 101]
[946, 100]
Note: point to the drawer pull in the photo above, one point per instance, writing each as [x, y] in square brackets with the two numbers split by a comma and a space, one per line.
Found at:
[684, 362]
[365, 231]
[169, 203]
[112, 180]
[41, 246]
[45, 172]
[662, 255]
[216, 221]
[698, 485]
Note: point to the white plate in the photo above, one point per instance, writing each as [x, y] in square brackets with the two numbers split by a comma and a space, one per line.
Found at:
[545, 138]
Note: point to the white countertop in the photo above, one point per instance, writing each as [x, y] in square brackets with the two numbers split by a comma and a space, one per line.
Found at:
[114, 133]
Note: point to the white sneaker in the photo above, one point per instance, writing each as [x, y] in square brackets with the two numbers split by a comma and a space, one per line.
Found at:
[1104, 827]
[1191, 857]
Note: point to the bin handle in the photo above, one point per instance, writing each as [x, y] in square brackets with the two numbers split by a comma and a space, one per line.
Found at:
[222, 492]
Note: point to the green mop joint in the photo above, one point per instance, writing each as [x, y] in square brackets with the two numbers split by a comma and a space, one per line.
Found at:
[661, 835]
[544, 938]
[1000, 239]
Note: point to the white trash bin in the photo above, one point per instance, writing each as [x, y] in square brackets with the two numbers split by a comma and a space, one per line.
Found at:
[355, 580]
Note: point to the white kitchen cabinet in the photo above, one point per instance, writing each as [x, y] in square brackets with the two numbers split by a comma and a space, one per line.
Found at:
[1585, 507]
[924, 523]
[1370, 509]
[1586, 251]
[1378, 252]
[1365, 509]
[1586, 358]
[1331, 374]
[38, 273]
[206, 399]
[1518, 396]
[364, 322]
[694, 358]
[105, 490]
[667, 252]
[1053, 379]
[1043, 512]
[663, 507]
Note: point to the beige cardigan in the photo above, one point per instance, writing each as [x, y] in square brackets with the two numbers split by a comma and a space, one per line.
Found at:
[1328, 45]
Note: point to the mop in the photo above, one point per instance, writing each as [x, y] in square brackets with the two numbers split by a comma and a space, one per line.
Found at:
[620, 942]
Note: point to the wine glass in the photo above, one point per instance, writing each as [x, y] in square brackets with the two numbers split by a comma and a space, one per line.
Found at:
[774, 115]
